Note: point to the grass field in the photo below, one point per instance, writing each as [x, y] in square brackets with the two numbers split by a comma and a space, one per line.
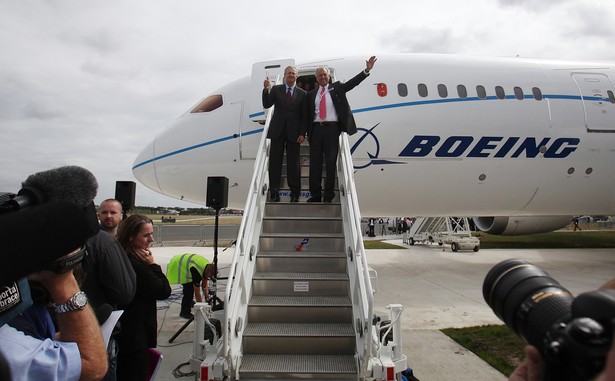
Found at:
[496, 344]
[553, 240]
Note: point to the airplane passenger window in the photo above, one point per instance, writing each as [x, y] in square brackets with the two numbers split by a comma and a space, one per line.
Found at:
[537, 93]
[208, 104]
[611, 96]
[480, 91]
[422, 90]
[499, 92]
[461, 91]
[402, 89]
[518, 93]
[442, 91]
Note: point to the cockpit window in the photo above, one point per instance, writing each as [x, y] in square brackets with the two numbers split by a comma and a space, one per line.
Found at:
[208, 104]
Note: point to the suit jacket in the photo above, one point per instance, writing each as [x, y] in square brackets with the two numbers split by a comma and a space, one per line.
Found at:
[293, 116]
[110, 276]
[337, 91]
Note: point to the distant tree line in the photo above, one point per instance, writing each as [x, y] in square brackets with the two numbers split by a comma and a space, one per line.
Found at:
[181, 211]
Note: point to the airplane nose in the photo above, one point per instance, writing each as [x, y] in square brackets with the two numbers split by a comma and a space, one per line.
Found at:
[144, 167]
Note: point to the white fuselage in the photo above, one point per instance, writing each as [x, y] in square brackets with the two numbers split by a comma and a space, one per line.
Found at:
[538, 142]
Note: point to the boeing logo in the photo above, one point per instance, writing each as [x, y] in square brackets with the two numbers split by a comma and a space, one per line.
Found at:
[374, 160]
[489, 146]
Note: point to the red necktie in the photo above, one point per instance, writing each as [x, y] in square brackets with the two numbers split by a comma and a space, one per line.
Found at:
[288, 95]
[323, 105]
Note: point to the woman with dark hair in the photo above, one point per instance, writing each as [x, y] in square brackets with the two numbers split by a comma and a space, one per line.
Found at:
[139, 320]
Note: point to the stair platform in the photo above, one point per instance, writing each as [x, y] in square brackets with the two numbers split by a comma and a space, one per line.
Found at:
[289, 367]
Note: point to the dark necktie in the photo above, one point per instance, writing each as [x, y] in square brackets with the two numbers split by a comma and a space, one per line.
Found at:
[288, 95]
[323, 105]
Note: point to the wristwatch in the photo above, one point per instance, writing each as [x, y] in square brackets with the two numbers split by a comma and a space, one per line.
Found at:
[76, 302]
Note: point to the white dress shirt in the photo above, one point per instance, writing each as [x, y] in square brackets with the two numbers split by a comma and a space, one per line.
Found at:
[331, 113]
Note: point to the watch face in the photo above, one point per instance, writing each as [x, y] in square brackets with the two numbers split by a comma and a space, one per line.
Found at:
[81, 299]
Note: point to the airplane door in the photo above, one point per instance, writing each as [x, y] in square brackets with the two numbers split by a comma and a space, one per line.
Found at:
[597, 95]
[249, 132]
[260, 71]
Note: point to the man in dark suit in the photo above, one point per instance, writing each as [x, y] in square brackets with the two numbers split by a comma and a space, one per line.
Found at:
[286, 131]
[329, 114]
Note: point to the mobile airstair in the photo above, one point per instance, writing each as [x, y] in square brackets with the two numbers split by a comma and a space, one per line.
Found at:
[453, 231]
[299, 300]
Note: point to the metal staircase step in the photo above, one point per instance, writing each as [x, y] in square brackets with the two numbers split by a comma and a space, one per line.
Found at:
[300, 276]
[301, 254]
[304, 283]
[299, 330]
[301, 261]
[300, 301]
[294, 338]
[302, 209]
[305, 179]
[301, 242]
[306, 235]
[302, 224]
[303, 218]
[290, 367]
[299, 309]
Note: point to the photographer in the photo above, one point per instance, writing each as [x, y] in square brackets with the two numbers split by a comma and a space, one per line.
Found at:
[28, 340]
[76, 353]
[531, 369]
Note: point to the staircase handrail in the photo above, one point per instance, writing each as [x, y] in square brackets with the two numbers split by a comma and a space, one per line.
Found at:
[358, 269]
[239, 286]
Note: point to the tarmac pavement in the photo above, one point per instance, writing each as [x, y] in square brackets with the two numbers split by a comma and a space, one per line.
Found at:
[438, 289]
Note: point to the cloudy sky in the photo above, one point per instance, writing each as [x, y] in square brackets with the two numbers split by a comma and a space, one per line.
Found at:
[91, 83]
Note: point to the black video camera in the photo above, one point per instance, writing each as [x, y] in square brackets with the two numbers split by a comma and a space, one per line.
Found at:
[573, 335]
[9, 202]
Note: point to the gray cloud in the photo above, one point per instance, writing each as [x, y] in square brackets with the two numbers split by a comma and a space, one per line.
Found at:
[591, 21]
[533, 5]
[420, 40]
[91, 84]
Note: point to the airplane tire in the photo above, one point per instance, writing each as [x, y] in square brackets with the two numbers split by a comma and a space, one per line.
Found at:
[454, 247]
[476, 248]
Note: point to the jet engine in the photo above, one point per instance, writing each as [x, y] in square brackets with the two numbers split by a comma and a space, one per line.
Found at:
[521, 225]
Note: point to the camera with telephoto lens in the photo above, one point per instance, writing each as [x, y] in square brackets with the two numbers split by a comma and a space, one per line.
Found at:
[573, 335]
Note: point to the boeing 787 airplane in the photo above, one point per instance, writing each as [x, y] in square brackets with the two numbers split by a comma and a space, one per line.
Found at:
[520, 144]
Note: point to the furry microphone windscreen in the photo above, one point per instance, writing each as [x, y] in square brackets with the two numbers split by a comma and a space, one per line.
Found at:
[70, 183]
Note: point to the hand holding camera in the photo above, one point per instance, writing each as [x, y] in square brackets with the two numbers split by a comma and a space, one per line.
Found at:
[572, 335]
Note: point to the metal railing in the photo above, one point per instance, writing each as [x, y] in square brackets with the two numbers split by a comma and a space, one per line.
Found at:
[239, 286]
[358, 270]
[370, 347]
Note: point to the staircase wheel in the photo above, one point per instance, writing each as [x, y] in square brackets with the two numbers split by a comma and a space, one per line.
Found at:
[411, 241]
[454, 247]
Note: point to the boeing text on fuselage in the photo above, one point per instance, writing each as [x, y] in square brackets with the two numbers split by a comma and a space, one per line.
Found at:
[489, 147]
